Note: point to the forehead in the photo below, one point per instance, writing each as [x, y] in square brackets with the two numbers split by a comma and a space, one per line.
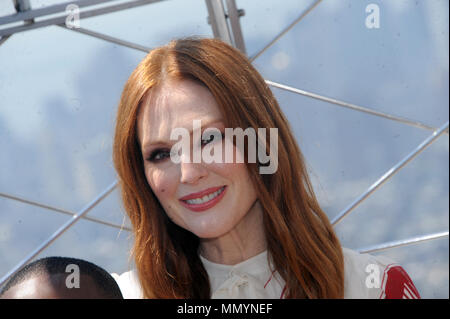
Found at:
[51, 287]
[28, 288]
[175, 103]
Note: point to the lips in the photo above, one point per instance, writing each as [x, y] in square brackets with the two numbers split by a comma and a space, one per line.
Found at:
[197, 204]
[202, 193]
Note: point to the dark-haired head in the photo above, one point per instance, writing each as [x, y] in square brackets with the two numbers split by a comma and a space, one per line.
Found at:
[61, 278]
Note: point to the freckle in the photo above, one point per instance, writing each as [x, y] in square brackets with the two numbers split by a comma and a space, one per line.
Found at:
[163, 190]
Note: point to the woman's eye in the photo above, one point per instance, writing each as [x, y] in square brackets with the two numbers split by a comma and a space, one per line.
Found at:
[158, 155]
[208, 140]
[211, 137]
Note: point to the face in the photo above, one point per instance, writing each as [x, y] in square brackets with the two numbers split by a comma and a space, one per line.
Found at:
[53, 287]
[181, 187]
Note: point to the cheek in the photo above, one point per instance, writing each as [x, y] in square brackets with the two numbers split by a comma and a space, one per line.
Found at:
[161, 182]
[238, 176]
[232, 171]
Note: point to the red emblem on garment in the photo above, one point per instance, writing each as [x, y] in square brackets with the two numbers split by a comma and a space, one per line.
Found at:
[396, 284]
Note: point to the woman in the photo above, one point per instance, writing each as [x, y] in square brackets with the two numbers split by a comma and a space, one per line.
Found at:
[221, 229]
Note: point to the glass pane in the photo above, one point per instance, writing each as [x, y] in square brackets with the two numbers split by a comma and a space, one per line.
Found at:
[59, 92]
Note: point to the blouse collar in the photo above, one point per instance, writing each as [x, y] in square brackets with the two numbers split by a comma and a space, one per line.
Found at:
[254, 265]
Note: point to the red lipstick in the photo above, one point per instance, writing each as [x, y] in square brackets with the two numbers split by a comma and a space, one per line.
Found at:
[206, 205]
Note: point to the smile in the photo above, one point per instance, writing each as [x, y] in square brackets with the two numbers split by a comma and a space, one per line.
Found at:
[203, 200]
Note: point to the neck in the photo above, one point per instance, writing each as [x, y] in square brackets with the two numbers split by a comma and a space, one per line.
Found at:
[245, 240]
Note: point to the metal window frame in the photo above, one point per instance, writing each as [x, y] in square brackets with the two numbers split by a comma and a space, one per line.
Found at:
[218, 20]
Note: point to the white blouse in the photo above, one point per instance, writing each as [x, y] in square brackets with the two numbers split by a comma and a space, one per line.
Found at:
[365, 277]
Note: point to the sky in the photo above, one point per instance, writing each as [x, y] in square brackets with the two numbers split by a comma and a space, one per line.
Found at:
[59, 92]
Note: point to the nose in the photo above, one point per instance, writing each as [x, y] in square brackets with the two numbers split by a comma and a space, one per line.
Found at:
[192, 172]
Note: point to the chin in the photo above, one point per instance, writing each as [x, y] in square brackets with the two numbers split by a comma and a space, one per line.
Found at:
[208, 233]
[205, 234]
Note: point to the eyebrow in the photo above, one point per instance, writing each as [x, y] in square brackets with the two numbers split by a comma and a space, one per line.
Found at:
[146, 146]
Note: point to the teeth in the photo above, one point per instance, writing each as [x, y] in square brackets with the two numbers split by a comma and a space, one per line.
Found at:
[205, 198]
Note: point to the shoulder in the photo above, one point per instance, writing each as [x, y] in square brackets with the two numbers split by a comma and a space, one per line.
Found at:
[129, 284]
[369, 277]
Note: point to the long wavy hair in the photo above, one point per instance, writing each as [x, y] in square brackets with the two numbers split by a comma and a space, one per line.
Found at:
[300, 239]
